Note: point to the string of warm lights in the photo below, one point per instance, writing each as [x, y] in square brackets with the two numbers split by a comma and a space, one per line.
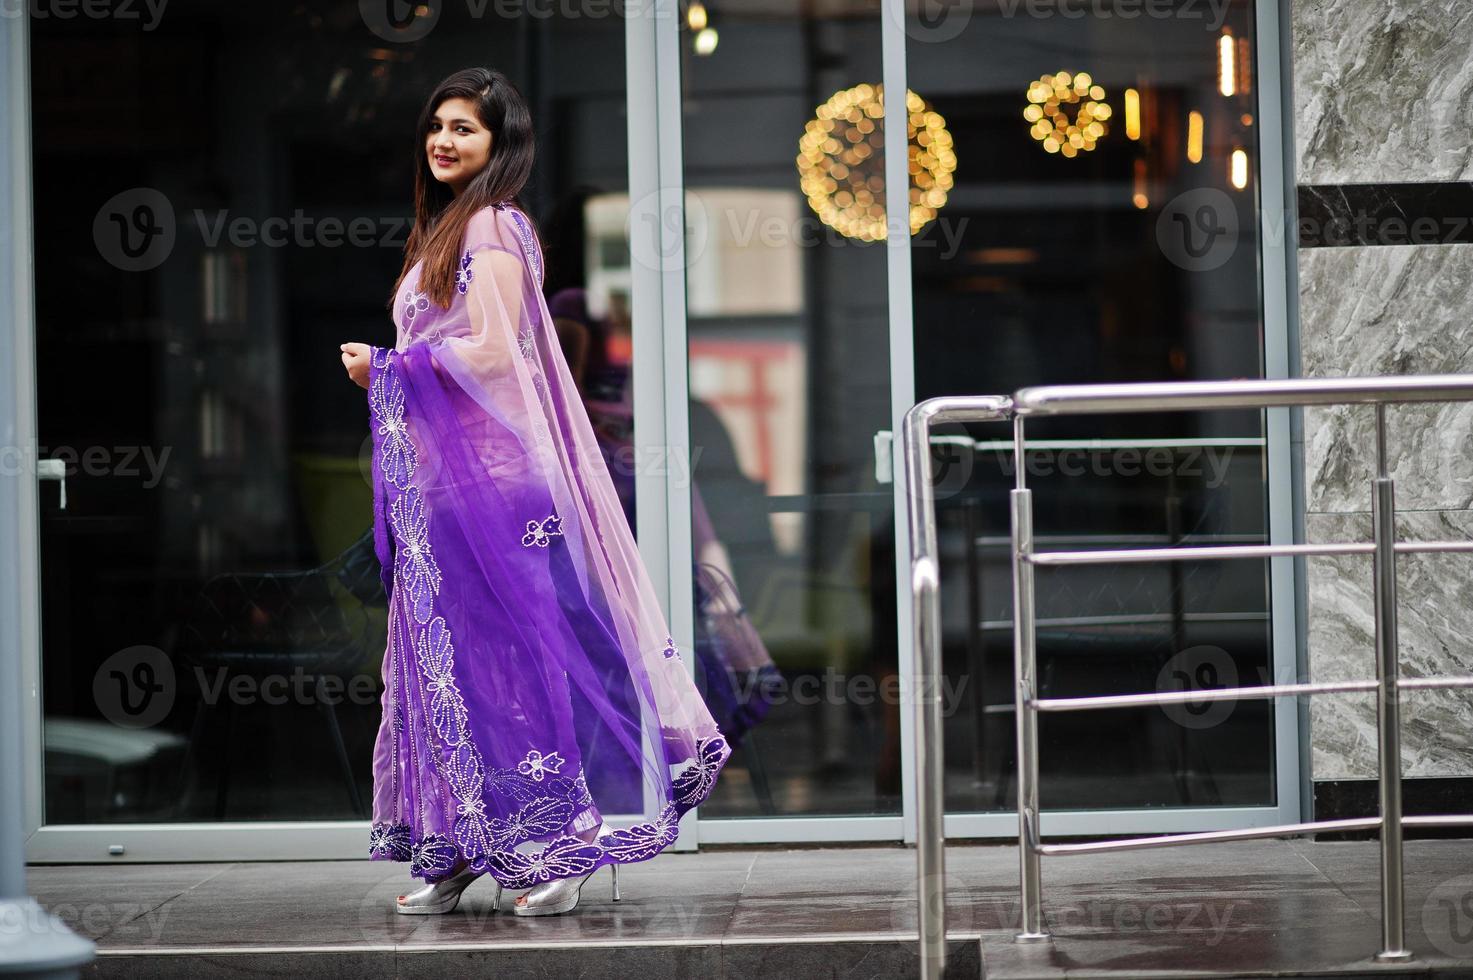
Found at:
[705, 35]
[1049, 98]
[839, 154]
[840, 162]
[1227, 59]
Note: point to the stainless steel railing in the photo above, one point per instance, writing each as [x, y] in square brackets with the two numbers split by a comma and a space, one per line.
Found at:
[926, 638]
[1158, 397]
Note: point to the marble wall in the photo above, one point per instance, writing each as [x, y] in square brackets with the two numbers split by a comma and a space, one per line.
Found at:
[1383, 90]
[1390, 310]
[1384, 95]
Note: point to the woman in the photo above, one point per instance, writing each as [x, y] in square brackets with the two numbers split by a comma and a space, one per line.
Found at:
[530, 682]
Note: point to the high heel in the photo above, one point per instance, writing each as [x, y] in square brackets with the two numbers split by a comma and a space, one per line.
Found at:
[561, 895]
[442, 896]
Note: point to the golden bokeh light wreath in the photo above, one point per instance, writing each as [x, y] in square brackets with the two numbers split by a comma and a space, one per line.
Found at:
[841, 163]
[1050, 102]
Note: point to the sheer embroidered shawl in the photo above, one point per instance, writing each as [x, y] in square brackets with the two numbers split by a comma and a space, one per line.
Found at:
[531, 683]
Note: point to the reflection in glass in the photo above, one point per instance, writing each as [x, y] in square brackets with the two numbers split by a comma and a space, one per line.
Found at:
[789, 382]
[1103, 227]
[212, 612]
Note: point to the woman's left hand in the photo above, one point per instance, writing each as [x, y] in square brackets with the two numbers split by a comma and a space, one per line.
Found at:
[355, 360]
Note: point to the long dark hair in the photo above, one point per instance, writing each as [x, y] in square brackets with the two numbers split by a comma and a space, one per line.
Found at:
[439, 215]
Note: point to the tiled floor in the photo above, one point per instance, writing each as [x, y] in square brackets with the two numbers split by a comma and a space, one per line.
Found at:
[1253, 908]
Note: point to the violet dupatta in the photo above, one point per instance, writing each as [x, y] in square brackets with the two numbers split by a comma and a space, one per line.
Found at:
[531, 684]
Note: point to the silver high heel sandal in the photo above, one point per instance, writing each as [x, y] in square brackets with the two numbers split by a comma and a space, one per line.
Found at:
[560, 895]
[442, 896]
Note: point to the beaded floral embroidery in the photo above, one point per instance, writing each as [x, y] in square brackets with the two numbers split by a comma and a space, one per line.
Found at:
[397, 457]
[529, 243]
[420, 574]
[432, 857]
[415, 303]
[390, 840]
[538, 765]
[540, 533]
[463, 275]
[696, 781]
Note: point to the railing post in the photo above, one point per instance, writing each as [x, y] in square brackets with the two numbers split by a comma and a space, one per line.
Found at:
[1388, 704]
[930, 751]
[1026, 719]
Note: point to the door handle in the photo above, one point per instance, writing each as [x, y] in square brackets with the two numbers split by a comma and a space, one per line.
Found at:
[884, 456]
[53, 469]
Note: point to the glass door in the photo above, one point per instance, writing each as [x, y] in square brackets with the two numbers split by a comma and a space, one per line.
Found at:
[1090, 198]
[221, 197]
[1112, 212]
[712, 191]
[784, 380]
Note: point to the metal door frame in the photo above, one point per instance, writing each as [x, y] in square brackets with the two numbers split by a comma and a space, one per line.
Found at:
[1277, 265]
[1277, 260]
[663, 513]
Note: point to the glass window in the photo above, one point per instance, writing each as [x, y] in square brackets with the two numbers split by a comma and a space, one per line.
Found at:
[1100, 226]
[222, 196]
[794, 537]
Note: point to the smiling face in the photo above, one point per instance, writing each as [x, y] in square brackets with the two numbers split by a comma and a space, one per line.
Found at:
[458, 144]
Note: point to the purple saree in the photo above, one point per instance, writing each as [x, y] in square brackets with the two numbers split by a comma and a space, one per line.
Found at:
[531, 685]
